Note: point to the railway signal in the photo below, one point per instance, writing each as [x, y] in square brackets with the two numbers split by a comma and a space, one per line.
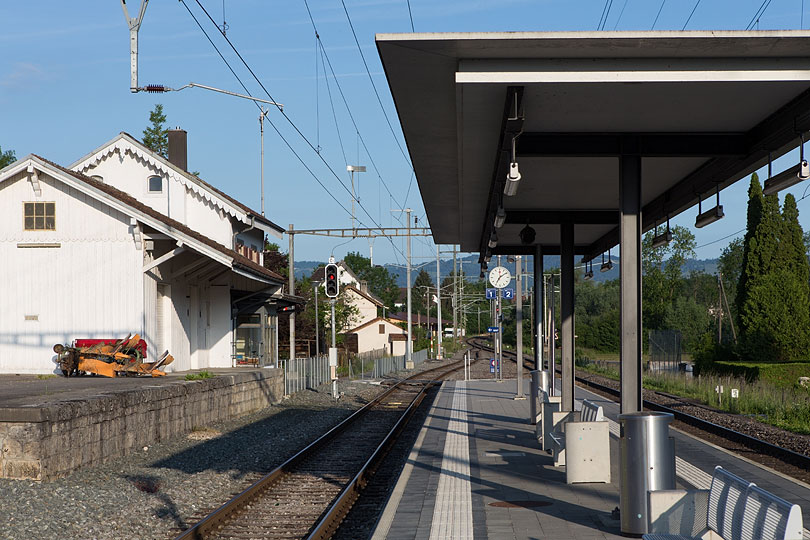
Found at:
[332, 286]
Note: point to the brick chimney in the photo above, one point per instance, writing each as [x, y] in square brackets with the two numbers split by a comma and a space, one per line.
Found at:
[178, 148]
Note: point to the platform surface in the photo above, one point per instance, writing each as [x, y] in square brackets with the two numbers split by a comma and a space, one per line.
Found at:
[476, 471]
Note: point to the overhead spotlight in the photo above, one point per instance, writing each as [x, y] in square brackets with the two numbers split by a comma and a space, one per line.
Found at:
[660, 240]
[527, 235]
[606, 266]
[709, 216]
[513, 175]
[481, 275]
[493, 240]
[487, 257]
[500, 217]
[512, 180]
[787, 178]
[510, 258]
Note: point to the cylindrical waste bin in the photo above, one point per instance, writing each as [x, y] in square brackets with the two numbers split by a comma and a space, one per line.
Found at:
[647, 463]
[534, 392]
[544, 381]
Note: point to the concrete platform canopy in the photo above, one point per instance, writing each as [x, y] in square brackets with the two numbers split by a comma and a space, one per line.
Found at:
[612, 132]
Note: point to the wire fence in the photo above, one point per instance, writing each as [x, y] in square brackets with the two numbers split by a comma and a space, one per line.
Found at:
[310, 373]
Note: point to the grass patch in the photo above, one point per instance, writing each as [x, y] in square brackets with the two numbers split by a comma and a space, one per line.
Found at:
[45, 377]
[200, 375]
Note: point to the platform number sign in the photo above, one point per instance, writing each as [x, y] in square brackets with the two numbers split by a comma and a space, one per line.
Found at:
[332, 285]
[508, 293]
[491, 294]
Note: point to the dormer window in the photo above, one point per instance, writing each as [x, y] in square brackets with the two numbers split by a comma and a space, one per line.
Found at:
[155, 184]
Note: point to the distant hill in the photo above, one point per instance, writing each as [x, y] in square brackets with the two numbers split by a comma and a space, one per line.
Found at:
[469, 265]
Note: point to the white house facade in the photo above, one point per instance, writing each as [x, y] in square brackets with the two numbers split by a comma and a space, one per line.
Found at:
[104, 250]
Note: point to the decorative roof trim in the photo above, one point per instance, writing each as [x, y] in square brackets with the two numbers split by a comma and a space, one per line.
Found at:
[122, 146]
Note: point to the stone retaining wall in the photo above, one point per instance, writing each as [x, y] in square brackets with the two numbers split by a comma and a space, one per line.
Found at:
[43, 443]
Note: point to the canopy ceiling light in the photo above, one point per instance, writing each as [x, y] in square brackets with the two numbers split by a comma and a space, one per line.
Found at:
[500, 217]
[513, 175]
[785, 179]
[589, 273]
[709, 216]
[660, 240]
[527, 235]
[606, 265]
[493, 240]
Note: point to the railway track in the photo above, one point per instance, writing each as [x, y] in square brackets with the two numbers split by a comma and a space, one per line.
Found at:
[799, 460]
[310, 494]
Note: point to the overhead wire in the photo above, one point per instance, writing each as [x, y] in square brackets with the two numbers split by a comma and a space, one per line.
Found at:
[660, 9]
[328, 62]
[410, 14]
[759, 13]
[289, 120]
[620, 15]
[690, 15]
[374, 86]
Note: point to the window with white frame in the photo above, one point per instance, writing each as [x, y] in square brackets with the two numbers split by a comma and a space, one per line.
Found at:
[155, 184]
[39, 216]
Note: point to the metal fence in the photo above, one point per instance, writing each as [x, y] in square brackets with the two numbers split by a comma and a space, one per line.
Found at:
[303, 373]
[665, 349]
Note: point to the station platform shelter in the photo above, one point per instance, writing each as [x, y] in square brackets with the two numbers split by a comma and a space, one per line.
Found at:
[529, 144]
[477, 471]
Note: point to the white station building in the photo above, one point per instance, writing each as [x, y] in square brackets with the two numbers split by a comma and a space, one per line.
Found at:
[125, 241]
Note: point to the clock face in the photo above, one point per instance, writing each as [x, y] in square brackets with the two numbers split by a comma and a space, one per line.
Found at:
[500, 277]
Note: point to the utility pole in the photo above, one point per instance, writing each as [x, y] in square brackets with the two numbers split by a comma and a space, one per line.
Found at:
[134, 24]
[455, 296]
[262, 114]
[408, 359]
[519, 324]
[317, 339]
[439, 301]
[291, 266]
[355, 169]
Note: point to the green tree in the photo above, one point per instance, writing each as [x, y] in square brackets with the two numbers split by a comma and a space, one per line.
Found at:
[730, 266]
[772, 295]
[380, 282]
[7, 158]
[662, 273]
[423, 289]
[156, 136]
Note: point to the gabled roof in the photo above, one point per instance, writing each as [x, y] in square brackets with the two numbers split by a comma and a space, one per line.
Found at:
[373, 321]
[126, 143]
[368, 296]
[146, 214]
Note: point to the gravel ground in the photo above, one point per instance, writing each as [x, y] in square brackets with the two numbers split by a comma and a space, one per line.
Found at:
[159, 491]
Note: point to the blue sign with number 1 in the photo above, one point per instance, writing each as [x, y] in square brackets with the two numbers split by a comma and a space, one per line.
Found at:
[491, 294]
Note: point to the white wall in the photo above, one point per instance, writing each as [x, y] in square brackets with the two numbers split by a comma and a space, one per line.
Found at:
[67, 288]
[221, 336]
[366, 308]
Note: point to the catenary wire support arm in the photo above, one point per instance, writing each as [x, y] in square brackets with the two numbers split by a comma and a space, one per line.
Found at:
[162, 89]
[134, 24]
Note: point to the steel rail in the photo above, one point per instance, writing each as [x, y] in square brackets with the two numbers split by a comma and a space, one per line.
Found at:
[754, 443]
[206, 526]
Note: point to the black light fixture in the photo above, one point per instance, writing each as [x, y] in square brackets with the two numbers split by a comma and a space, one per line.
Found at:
[709, 216]
[606, 265]
[660, 240]
[493, 240]
[785, 179]
[589, 273]
[500, 217]
[527, 235]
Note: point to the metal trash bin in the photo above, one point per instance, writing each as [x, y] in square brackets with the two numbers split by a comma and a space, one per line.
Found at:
[534, 394]
[647, 463]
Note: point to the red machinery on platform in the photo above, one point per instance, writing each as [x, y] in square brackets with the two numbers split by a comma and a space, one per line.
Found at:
[109, 358]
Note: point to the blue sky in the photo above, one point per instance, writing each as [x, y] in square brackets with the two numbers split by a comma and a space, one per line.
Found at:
[64, 90]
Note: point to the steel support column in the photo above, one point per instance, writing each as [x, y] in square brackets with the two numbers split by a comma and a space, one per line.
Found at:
[539, 316]
[630, 281]
[567, 315]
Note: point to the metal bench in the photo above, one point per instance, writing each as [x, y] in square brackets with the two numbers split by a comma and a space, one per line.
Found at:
[732, 509]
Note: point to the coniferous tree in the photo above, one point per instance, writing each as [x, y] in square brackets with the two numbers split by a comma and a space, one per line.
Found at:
[7, 157]
[156, 136]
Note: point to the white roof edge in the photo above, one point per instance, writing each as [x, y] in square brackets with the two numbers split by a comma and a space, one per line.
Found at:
[130, 211]
[588, 34]
[233, 210]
